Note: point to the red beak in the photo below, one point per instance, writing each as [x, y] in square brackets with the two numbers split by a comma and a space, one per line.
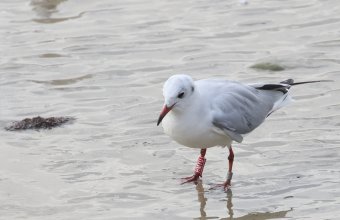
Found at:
[164, 111]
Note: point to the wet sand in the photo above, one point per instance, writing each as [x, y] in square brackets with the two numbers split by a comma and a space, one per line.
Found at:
[104, 63]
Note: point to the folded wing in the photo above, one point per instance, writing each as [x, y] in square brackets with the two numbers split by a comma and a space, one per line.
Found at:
[239, 108]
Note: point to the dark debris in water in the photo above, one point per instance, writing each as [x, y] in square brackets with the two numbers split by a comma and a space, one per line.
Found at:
[267, 66]
[37, 123]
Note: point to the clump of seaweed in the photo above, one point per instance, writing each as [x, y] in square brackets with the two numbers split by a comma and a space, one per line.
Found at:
[38, 123]
[267, 66]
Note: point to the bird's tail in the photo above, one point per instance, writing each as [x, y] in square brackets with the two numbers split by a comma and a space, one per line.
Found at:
[283, 87]
[283, 101]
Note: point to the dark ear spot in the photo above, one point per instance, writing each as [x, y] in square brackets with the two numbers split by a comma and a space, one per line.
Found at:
[192, 88]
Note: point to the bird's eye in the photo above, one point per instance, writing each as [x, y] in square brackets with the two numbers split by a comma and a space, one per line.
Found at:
[181, 95]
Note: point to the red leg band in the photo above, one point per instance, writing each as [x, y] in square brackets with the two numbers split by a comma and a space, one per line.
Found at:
[200, 165]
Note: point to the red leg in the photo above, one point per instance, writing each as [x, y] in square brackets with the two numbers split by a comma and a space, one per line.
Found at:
[227, 183]
[198, 169]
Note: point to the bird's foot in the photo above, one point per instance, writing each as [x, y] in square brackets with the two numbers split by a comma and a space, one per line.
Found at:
[226, 186]
[194, 178]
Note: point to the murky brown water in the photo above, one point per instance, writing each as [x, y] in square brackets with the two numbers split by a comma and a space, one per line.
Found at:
[104, 63]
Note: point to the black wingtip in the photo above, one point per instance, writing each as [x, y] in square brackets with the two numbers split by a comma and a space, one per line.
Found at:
[315, 81]
[276, 87]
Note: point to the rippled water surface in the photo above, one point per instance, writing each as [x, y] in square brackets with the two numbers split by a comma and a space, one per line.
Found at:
[104, 62]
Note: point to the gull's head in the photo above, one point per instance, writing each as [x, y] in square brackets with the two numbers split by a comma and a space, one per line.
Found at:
[176, 91]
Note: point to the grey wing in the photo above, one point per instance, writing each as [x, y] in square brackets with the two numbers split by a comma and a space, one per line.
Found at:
[239, 109]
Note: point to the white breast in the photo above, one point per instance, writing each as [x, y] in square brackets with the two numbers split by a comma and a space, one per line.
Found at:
[194, 130]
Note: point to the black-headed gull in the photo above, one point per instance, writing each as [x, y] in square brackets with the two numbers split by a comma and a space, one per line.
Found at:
[210, 112]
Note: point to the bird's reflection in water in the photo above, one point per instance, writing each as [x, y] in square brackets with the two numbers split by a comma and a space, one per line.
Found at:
[201, 199]
[251, 216]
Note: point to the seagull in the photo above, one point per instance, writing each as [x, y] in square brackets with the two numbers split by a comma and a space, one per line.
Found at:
[212, 112]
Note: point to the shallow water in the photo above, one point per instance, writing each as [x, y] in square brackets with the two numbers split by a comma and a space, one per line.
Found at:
[104, 63]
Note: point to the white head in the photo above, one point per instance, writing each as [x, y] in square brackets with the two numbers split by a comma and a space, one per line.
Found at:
[176, 91]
